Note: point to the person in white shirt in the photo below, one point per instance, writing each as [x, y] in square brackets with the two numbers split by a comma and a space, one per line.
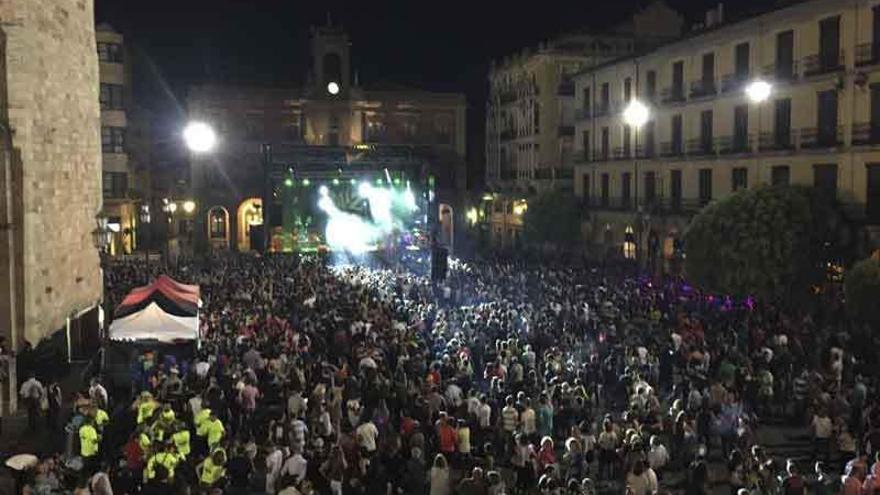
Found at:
[658, 456]
[274, 461]
[484, 414]
[367, 433]
[32, 392]
[641, 480]
[296, 404]
[295, 466]
[98, 394]
[454, 395]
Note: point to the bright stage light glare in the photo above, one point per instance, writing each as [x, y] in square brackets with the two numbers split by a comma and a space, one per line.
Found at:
[409, 199]
[364, 189]
[306, 182]
[199, 137]
[323, 191]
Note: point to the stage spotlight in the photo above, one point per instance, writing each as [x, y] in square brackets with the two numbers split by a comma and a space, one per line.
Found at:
[323, 191]
[409, 199]
[364, 189]
[336, 182]
[306, 182]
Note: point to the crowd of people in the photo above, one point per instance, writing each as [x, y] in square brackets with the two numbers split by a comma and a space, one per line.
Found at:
[509, 377]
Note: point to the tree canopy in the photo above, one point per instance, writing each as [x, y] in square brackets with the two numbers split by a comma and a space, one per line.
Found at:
[552, 218]
[862, 289]
[772, 242]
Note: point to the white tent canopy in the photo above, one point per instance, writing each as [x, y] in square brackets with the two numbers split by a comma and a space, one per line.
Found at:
[152, 323]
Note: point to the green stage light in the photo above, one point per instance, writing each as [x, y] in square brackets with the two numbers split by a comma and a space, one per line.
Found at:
[397, 181]
[306, 182]
[352, 181]
[378, 182]
[288, 182]
[335, 182]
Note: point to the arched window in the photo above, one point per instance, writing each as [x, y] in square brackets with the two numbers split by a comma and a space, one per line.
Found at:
[217, 222]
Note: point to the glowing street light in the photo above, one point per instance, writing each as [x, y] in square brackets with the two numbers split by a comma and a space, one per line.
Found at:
[758, 91]
[333, 88]
[199, 137]
[189, 206]
[636, 114]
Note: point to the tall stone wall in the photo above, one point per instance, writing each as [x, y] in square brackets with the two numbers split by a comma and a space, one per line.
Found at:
[53, 111]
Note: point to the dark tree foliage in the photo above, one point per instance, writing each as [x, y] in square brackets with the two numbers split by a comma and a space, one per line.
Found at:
[552, 219]
[772, 242]
[862, 289]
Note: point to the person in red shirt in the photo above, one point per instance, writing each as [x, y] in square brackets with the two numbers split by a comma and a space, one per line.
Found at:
[447, 434]
[134, 455]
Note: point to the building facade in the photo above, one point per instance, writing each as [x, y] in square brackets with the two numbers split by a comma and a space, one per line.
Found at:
[331, 112]
[530, 113]
[707, 137]
[50, 197]
[123, 174]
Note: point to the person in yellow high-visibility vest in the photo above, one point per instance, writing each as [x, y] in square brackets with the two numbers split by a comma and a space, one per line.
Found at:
[163, 426]
[215, 431]
[167, 458]
[212, 470]
[101, 417]
[201, 416]
[89, 442]
[180, 438]
[144, 440]
[145, 406]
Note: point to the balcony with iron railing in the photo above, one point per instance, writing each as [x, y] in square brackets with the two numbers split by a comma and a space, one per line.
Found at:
[622, 153]
[700, 147]
[543, 174]
[777, 140]
[821, 137]
[582, 114]
[672, 95]
[508, 175]
[653, 206]
[702, 88]
[865, 133]
[671, 148]
[507, 135]
[738, 143]
[563, 173]
[867, 54]
[822, 63]
[780, 72]
[733, 83]
[507, 96]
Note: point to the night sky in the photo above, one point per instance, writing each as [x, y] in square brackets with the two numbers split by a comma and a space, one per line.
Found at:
[437, 45]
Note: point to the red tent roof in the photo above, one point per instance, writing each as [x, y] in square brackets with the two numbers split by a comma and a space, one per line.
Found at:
[172, 296]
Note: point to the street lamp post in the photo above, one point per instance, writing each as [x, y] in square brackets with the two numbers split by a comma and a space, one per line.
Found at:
[144, 217]
[636, 115]
[758, 91]
[200, 139]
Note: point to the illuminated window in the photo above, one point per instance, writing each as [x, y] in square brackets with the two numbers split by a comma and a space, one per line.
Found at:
[218, 223]
[629, 244]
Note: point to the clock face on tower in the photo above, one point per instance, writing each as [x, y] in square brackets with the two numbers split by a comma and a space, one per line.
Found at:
[333, 88]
